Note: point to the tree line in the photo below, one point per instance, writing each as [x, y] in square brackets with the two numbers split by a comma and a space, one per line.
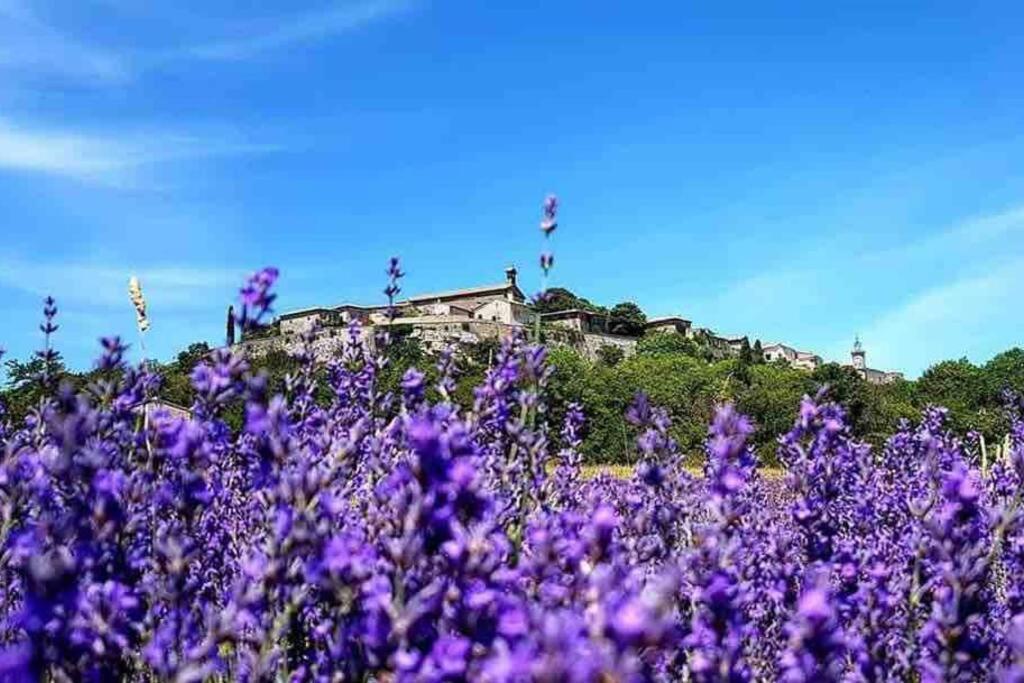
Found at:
[680, 376]
[676, 372]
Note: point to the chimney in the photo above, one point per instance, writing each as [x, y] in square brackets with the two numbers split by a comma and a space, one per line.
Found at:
[510, 275]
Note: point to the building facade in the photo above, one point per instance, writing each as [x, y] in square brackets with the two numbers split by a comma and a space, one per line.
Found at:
[474, 314]
[804, 360]
[438, 319]
[671, 323]
[858, 361]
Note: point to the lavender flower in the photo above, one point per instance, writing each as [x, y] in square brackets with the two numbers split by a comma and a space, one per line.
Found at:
[549, 222]
[336, 532]
[816, 644]
[256, 297]
[954, 638]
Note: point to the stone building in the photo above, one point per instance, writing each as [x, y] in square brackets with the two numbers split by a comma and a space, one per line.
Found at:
[502, 303]
[578, 320]
[459, 316]
[670, 323]
[587, 331]
[737, 344]
[158, 406]
[804, 360]
[858, 358]
[716, 344]
[474, 314]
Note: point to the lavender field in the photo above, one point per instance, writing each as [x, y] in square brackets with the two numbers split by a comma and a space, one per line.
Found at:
[388, 538]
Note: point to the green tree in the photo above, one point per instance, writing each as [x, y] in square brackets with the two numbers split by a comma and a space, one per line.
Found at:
[472, 363]
[24, 387]
[891, 403]
[561, 299]
[570, 373]
[960, 386]
[626, 318]
[845, 386]
[403, 352]
[771, 400]
[746, 353]
[610, 355]
[661, 343]
[758, 352]
[1004, 371]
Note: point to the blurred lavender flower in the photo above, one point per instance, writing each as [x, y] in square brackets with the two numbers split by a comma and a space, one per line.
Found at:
[816, 645]
[256, 297]
[549, 222]
[955, 638]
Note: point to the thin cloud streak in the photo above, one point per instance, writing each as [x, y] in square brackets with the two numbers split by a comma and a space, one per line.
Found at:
[109, 160]
[303, 28]
[86, 286]
[946, 321]
[962, 237]
[928, 321]
[30, 46]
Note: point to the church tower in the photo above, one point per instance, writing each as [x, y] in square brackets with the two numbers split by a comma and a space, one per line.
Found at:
[858, 355]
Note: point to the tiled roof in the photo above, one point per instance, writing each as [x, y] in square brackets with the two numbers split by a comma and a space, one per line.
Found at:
[302, 312]
[568, 313]
[469, 291]
[667, 319]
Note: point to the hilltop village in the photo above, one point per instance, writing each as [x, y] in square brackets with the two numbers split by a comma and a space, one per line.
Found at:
[491, 311]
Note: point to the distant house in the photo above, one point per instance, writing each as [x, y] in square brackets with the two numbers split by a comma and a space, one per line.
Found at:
[438, 308]
[858, 358]
[579, 320]
[804, 360]
[159, 405]
[472, 314]
[297, 322]
[736, 344]
[355, 312]
[591, 330]
[473, 297]
[671, 323]
[437, 319]
[716, 344]
[502, 302]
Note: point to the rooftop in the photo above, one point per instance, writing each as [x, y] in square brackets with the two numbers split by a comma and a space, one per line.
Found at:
[468, 291]
[568, 313]
[667, 319]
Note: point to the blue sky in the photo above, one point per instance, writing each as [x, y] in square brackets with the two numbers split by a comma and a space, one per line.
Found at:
[797, 172]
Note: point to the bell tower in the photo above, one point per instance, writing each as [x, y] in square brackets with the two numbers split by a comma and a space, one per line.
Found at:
[858, 354]
[510, 278]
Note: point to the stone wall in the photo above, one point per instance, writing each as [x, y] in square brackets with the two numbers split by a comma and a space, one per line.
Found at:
[328, 344]
[593, 341]
[434, 334]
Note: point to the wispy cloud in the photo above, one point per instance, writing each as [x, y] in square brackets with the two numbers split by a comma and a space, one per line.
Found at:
[91, 286]
[112, 160]
[30, 46]
[943, 295]
[953, 319]
[962, 237]
[301, 28]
